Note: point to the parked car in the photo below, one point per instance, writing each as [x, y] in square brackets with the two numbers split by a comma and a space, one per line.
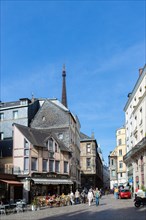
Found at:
[125, 193]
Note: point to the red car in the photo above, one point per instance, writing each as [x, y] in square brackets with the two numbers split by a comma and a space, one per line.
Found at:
[125, 194]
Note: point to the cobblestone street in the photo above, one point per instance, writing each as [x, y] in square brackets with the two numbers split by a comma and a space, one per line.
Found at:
[109, 209]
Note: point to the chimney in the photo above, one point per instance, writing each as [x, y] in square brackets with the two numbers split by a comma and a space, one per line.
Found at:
[64, 96]
[32, 98]
[140, 71]
[92, 135]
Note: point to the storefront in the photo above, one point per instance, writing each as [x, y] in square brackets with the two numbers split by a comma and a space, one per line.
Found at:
[10, 189]
[42, 184]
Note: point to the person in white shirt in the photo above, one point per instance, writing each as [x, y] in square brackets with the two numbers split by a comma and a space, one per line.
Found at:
[72, 198]
[90, 197]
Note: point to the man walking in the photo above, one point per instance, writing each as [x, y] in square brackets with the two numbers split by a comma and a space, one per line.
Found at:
[97, 196]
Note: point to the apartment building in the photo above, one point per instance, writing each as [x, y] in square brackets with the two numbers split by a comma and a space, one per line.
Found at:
[91, 163]
[39, 157]
[116, 163]
[135, 116]
[20, 112]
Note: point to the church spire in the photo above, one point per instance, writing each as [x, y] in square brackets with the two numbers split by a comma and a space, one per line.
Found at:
[64, 96]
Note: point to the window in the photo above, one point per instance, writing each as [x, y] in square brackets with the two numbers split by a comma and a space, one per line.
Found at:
[140, 116]
[15, 114]
[60, 136]
[1, 116]
[23, 102]
[26, 148]
[1, 135]
[26, 152]
[51, 165]
[120, 164]
[65, 167]
[88, 162]
[43, 118]
[57, 166]
[26, 144]
[113, 173]
[121, 174]
[120, 152]
[136, 165]
[45, 165]
[88, 148]
[51, 144]
[119, 132]
[56, 147]
[34, 163]
[112, 162]
[119, 142]
[26, 163]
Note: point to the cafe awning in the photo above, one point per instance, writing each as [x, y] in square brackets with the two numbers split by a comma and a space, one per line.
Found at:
[52, 181]
[11, 182]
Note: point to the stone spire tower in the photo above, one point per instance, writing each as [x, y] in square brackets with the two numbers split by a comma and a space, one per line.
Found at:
[64, 96]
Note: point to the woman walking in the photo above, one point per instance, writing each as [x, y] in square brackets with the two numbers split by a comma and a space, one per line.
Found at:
[90, 197]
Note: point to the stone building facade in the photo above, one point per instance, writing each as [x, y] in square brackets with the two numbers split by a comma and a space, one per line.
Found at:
[135, 121]
[117, 166]
[91, 163]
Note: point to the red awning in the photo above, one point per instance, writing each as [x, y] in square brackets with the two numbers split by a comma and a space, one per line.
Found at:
[12, 182]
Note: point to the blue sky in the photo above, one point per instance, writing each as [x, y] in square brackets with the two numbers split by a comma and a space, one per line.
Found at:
[102, 44]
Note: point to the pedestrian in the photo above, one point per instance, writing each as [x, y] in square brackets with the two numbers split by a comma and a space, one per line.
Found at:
[90, 197]
[83, 197]
[77, 195]
[72, 198]
[97, 196]
[116, 192]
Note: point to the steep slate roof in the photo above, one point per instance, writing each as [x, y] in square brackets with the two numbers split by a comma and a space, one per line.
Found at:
[84, 137]
[38, 137]
[54, 113]
[6, 148]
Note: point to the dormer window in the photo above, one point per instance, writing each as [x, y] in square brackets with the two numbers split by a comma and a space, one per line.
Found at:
[60, 136]
[43, 118]
[50, 144]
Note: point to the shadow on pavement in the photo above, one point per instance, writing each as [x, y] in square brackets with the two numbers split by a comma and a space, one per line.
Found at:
[131, 213]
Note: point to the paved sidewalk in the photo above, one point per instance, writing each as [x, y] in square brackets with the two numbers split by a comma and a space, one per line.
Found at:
[109, 209]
